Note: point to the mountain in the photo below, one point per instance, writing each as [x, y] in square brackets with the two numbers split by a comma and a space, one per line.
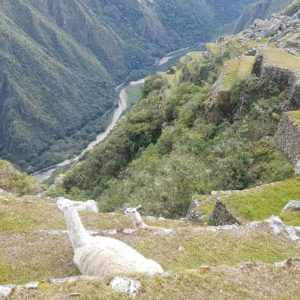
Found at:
[207, 124]
[60, 61]
[263, 9]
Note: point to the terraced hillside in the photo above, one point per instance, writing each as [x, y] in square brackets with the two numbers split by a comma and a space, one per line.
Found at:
[35, 247]
[209, 123]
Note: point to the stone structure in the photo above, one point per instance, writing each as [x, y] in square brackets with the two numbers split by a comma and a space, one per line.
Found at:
[222, 216]
[193, 214]
[288, 138]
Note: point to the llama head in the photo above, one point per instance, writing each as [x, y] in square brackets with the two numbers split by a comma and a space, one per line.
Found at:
[132, 211]
[90, 205]
[63, 203]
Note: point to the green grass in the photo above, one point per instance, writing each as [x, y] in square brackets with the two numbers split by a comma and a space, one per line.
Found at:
[134, 93]
[295, 116]
[247, 281]
[259, 203]
[235, 70]
[23, 259]
[29, 214]
[279, 57]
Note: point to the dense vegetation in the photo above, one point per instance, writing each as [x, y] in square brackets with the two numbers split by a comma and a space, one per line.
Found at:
[60, 61]
[185, 137]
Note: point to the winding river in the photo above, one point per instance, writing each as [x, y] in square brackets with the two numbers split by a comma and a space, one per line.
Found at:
[45, 174]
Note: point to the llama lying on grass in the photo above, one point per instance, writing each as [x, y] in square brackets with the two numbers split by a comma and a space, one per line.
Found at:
[101, 256]
[138, 220]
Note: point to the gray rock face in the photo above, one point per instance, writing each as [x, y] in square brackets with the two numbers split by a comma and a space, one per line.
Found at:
[193, 214]
[221, 215]
[288, 138]
[292, 205]
[278, 227]
[125, 285]
[274, 28]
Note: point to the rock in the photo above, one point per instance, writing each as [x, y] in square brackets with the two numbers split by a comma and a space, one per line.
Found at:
[297, 168]
[75, 295]
[125, 285]
[164, 232]
[129, 231]
[181, 249]
[193, 214]
[290, 263]
[72, 279]
[31, 285]
[110, 231]
[288, 139]
[6, 290]
[221, 215]
[278, 227]
[292, 205]
[280, 264]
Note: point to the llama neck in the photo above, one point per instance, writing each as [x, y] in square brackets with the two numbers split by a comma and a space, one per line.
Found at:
[138, 221]
[77, 233]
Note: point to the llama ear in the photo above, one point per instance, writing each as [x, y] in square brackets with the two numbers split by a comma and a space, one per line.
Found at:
[138, 207]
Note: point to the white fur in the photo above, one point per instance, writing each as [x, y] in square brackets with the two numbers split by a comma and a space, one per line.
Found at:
[138, 220]
[89, 205]
[101, 256]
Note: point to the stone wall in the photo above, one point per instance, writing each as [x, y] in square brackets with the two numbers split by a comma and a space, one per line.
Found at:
[222, 216]
[288, 138]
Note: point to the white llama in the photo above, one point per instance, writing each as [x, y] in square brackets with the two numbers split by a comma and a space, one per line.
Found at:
[101, 256]
[138, 220]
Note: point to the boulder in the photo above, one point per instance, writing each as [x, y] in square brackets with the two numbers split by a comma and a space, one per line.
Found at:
[124, 285]
[193, 214]
[280, 228]
[292, 205]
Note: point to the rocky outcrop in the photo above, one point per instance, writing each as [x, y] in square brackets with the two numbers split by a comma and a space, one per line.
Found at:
[222, 216]
[274, 28]
[194, 215]
[288, 138]
[124, 285]
[292, 205]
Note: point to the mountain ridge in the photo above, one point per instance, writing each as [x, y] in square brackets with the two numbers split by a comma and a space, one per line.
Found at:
[62, 59]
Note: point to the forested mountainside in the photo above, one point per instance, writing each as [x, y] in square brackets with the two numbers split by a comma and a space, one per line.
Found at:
[262, 9]
[60, 61]
[207, 124]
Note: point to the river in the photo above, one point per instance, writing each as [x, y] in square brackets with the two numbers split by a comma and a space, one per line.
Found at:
[45, 174]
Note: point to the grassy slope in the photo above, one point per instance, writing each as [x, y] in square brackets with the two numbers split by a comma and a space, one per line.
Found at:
[295, 116]
[174, 147]
[259, 203]
[22, 244]
[249, 281]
